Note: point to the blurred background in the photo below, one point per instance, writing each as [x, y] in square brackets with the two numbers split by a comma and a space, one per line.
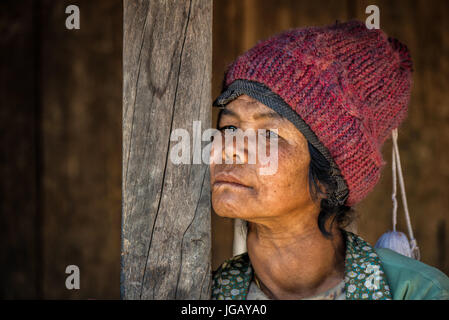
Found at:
[60, 124]
[60, 120]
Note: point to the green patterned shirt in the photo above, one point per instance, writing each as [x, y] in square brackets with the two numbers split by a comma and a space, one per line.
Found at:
[368, 276]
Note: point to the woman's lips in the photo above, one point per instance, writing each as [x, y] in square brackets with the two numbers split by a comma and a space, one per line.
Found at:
[229, 184]
[229, 180]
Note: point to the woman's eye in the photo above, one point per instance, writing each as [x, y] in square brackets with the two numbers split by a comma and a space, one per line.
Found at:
[267, 133]
[233, 128]
[271, 134]
[222, 130]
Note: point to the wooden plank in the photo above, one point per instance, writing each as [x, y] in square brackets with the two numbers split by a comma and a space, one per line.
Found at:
[166, 207]
[19, 246]
[81, 83]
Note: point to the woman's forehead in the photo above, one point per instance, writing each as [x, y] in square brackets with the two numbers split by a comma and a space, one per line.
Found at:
[247, 109]
[247, 101]
[244, 107]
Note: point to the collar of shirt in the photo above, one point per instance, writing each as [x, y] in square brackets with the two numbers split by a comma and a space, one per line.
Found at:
[364, 276]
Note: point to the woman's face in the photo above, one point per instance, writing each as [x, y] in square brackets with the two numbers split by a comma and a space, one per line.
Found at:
[260, 196]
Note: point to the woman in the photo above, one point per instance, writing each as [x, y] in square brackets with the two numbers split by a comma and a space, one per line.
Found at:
[334, 94]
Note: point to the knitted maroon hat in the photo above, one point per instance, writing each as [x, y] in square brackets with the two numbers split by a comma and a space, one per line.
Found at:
[345, 87]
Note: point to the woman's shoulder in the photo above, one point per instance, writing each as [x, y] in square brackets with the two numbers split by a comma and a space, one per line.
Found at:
[411, 279]
[232, 278]
[236, 263]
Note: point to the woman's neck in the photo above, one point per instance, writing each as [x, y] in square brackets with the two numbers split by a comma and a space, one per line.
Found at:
[294, 261]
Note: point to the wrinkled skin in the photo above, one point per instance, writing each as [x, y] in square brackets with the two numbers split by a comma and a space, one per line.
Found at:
[290, 256]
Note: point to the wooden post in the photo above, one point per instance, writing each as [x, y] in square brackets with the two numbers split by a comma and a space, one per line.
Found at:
[167, 58]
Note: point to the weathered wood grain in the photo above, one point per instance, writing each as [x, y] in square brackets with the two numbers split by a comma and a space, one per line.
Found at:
[167, 52]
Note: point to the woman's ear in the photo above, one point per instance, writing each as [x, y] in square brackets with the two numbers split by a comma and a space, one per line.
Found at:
[319, 193]
[322, 192]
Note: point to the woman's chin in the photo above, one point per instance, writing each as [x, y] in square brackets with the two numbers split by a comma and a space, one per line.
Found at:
[229, 207]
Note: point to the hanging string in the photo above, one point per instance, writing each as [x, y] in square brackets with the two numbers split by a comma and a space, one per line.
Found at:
[397, 166]
[393, 195]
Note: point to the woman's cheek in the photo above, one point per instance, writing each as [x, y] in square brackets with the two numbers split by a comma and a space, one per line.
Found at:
[268, 159]
[291, 173]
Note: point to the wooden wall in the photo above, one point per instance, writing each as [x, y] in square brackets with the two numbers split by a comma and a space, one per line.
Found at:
[424, 27]
[20, 260]
[60, 184]
[80, 81]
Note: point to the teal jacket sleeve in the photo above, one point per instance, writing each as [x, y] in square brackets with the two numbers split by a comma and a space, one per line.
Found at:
[410, 279]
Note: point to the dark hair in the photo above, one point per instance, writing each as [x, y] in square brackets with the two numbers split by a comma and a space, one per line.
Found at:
[319, 173]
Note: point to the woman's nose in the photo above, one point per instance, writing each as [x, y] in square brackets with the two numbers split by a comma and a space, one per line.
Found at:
[232, 152]
[235, 146]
